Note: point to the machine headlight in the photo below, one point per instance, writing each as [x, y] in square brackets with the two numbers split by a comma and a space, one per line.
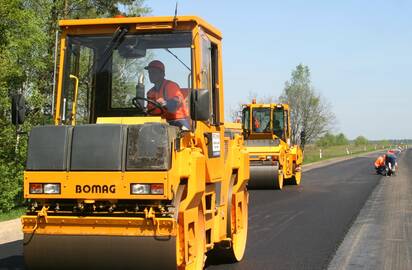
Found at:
[36, 188]
[44, 188]
[146, 189]
[140, 188]
[51, 188]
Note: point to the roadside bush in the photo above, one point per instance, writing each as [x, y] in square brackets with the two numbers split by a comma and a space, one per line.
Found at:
[11, 178]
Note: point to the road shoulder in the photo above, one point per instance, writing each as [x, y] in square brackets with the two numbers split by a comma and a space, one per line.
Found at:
[10, 231]
[381, 236]
[331, 161]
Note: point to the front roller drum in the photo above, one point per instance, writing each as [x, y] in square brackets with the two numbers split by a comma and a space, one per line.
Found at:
[265, 177]
[99, 252]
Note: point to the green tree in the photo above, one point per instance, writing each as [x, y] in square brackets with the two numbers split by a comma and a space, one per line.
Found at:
[27, 42]
[309, 112]
[326, 140]
[54, 10]
[360, 140]
[22, 40]
[341, 139]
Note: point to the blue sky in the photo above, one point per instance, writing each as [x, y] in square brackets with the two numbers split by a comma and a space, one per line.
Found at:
[359, 53]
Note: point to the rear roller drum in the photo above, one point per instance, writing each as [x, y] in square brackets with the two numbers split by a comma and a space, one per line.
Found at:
[185, 250]
[265, 177]
[99, 252]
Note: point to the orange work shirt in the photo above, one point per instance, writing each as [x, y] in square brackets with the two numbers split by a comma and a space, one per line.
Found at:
[256, 123]
[380, 161]
[168, 91]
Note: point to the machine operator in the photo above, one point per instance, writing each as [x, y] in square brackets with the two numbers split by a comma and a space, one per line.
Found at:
[169, 95]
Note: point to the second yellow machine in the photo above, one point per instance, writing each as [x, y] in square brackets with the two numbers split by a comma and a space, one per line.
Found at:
[267, 137]
[109, 185]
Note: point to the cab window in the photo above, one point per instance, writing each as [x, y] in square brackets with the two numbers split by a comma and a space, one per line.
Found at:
[278, 122]
[246, 119]
[78, 63]
[109, 71]
[261, 120]
[209, 76]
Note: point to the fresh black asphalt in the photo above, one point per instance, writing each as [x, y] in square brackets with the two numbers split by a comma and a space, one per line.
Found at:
[301, 227]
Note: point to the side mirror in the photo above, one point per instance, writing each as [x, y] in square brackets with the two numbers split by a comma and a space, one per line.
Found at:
[18, 109]
[200, 105]
[302, 138]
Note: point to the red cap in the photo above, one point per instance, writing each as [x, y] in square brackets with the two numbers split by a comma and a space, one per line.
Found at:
[156, 64]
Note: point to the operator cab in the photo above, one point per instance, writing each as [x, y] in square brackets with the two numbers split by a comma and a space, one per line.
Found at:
[265, 120]
[104, 72]
[109, 71]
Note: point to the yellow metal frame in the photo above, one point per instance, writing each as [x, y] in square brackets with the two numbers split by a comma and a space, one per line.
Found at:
[194, 174]
[289, 156]
[72, 225]
[76, 90]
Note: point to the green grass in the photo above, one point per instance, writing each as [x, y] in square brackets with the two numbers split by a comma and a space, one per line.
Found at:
[14, 213]
[312, 151]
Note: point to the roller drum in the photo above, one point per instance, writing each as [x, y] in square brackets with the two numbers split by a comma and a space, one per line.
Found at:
[99, 252]
[263, 177]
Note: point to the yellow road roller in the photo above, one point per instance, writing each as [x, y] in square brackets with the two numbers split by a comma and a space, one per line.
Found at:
[273, 159]
[138, 171]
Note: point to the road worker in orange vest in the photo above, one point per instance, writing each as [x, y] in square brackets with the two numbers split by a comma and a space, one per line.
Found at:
[380, 165]
[168, 95]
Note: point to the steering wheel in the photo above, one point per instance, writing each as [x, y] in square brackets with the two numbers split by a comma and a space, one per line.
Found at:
[145, 110]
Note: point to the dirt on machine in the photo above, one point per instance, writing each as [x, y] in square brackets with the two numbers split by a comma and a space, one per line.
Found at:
[274, 161]
[109, 185]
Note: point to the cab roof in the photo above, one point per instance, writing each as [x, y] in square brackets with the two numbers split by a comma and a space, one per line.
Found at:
[143, 20]
[266, 105]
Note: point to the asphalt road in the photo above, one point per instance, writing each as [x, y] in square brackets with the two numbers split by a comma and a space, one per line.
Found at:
[302, 227]
[296, 228]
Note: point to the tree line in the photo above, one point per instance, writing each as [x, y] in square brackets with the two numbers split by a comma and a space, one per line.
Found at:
[329, 139]
[27, 45]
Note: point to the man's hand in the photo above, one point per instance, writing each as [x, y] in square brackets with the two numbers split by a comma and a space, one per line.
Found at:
[161, 101]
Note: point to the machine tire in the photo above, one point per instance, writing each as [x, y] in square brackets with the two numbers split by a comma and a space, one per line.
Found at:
[279, 183]
[222, 254]
[296, 179]
[200, 241]
[297, 176]
[237, 250]
[197, 238]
